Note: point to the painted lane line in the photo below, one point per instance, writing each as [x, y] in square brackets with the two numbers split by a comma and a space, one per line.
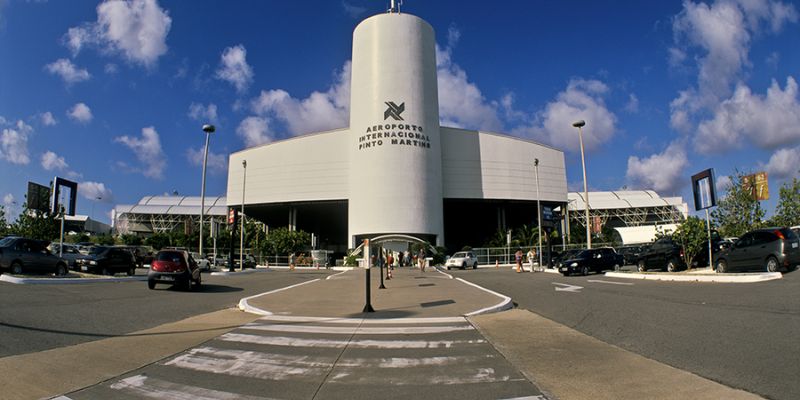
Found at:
[504, 304]
[143, 386]
[340, 330]
[422, 377]
[567, 288]
[244, 304]
[539, 397]
[358, 321]
[252, 364]
[611, 282]
[404, 362]
[360, 344]
[335, 275]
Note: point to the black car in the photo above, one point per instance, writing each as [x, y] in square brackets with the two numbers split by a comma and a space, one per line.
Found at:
[596, 260]
[769, 249]
[19, 255]
[631, 253]
[107, 261]
[663, 254]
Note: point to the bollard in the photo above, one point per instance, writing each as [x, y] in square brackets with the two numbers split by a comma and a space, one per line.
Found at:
[496, 264]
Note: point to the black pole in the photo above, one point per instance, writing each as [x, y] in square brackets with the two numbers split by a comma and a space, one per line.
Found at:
[380, 263]
[368, 306]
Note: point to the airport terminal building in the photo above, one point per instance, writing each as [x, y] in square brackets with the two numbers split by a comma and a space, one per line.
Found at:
[395, 171]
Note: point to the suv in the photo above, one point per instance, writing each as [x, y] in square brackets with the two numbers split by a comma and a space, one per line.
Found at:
[769, 249]
[663, 254]
[107, 261]
[175, 267]
[20, 254]
[463, 260]
[596, 260]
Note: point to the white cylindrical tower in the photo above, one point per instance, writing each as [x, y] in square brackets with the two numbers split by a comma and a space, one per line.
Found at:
[395, 150]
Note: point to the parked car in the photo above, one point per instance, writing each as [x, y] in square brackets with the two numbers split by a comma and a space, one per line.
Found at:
[463, 260]
[589, 260]
[19, 255]
[174, 267]
[663, 254]
[249, 261]
[770, 249]
[564, 255]
[70, 253]
[141, 254]
[201, 261]
[107, 261]
[631, 253]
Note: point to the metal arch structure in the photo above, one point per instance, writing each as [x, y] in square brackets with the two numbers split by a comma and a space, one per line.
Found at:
[159, 223]
[157, 214]
[390, 238]
[629, 213]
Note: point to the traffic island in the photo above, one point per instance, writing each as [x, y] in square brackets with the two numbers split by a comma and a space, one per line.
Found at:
[705, 275]
[73, 277]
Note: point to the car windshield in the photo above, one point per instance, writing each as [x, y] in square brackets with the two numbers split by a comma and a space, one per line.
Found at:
[584, 254]
[171, 256]
[6, 241]
[459, 255]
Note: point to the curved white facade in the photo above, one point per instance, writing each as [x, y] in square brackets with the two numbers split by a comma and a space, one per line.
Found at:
[394, 129]
[395, 167]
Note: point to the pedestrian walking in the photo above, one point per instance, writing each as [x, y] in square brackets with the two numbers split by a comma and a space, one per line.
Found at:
[531, 257]
[291, 261]
[390, 265]
[421, 259]
[518, 258]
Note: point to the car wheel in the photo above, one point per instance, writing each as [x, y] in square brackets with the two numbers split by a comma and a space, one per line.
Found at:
[132, 271]
[198, 282]
[105, 271]
[584, 270]
[448, 268]
[772, 264]
[722, 266]
[672, 266]
[16, 268]
[151, 284]
[475, 266]
[61, 270]
[617, 267]
[464, 266]
[641, 267]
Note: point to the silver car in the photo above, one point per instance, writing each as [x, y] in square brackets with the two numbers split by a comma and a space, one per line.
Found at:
[20, 254]
[463, 260]
[769, 249]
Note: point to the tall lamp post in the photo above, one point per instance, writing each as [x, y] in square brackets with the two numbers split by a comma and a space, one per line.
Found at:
[241, 226]
[538, 212]
[580, 124]
[208, 129]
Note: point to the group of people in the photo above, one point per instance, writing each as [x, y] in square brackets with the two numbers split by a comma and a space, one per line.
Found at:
[531, 256]
[393, 260]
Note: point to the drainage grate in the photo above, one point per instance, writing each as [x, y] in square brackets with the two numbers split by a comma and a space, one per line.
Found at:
[437, 303]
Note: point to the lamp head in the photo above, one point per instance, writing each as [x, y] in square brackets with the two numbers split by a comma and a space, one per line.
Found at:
[579, 124]
[244, 163]
[535, 162]
[208, 128]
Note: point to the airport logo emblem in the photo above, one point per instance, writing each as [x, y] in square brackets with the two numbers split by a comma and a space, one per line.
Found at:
[394, 111]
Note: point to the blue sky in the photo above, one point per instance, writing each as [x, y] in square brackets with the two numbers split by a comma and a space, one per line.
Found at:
[113, 95]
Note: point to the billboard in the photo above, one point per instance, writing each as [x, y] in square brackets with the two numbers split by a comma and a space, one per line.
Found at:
[704, 190]
[757, 185]
[58, 183]
[38, 197]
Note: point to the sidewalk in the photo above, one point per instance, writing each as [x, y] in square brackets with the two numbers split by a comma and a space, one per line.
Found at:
[410, 294]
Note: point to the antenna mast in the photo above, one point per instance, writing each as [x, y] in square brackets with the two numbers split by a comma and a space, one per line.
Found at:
[394, 6]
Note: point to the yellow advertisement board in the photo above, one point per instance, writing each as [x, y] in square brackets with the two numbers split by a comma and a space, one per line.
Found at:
[757, 184]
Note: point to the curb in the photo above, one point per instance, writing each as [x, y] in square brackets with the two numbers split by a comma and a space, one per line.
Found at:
[505, 304]
[57, 281]
[719, 278]
[245, 306]
[245, 272]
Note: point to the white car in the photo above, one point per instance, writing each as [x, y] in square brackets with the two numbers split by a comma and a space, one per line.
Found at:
[463, 260]
[201, 261]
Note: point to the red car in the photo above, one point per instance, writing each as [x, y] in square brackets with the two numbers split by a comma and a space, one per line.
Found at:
[175, 267]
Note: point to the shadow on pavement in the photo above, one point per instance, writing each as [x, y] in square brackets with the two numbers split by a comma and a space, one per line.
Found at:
[109, 335]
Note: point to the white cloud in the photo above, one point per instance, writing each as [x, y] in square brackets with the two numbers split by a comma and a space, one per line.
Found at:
[582, 100]
[68, 71]
[80, 112]
[234, 68]
[147, 150]
[47, 119]
[9, 202]
[14, 143]
[722, 33]
[137, 29]
[722, 184]
[662, 172]
[768, 121]
[95, 191]
[53, 162]
[784, 163]
[111, 68]
[317, 112]
[352, 10]
[255, 131]
[633, 104]
[203, 113]
[216, 162]
[461, 103]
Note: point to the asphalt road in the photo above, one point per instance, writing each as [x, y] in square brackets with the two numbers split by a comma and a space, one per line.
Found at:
[741, 335]
[40, 317]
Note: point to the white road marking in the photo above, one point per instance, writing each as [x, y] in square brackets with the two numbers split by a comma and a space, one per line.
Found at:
[361, 344]
[567, 288]
[252, 364]
[143, 386]
[613, 283]
[357, 321]
[341, 330]
[539, 397]
[404, 362]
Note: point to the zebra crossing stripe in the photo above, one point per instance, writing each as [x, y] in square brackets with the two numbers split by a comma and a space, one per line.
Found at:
[359, 344]
[354, 330]
[143, 386]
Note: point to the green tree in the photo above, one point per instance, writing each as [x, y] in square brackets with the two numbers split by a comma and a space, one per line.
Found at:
[787, 213]
[692, 235]
[4, 227]
[131, 240]
[282, 241]
[737, 212]
[158, 240]
[35, 224]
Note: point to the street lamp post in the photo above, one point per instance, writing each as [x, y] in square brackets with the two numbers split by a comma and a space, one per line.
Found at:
[538, 212]
[241, 226]
[580, 124]
[208, 129]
